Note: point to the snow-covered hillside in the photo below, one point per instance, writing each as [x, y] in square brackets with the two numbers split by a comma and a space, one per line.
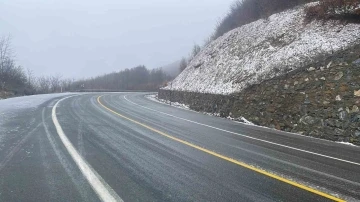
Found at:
[262, 50]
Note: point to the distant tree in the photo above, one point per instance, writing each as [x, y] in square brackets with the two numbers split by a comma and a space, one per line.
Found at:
[12, 77]
[55, 82]
[43, 84]
[30, 84]
[343, 10]
[207, 41]
[246, 11]
[195, 50]
[137, 78]
[183, 64]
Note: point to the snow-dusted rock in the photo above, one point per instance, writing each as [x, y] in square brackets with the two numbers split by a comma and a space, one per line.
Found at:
[262, 50]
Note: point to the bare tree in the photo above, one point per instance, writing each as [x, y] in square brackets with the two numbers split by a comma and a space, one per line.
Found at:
[12, 77]
[55, 82]
[5, 51]
[43, 84]
[183, 64]
[195, 50]
[5, 56]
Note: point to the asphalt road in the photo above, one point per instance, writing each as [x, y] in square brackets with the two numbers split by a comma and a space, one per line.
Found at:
[123, 146]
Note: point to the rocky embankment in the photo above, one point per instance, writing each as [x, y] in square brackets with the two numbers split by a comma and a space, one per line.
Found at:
[281, 72]
[321, 101]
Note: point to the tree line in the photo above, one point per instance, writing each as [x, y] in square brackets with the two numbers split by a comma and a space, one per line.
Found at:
[16, 81]
[137, 78]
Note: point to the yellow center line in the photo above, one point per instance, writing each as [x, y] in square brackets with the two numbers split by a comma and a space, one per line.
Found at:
[225, 157]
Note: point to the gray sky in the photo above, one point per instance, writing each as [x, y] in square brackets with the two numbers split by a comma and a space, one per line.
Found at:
[81, 38]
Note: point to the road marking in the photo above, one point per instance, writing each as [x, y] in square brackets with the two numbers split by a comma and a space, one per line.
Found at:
[101, 188]
[253, 138]
[225, 157]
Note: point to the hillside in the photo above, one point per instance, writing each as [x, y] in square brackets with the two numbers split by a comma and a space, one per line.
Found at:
[262, 50]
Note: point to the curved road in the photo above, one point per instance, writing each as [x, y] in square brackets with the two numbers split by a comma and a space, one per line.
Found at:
[125, 147]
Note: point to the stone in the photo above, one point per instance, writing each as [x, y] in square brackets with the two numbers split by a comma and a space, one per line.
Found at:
[356, 63]
[357, 93]
[311, 69]
[271, 109]
[328, 66]
[357, 133]
[338, 123]
[356, 119]
[197, 65]
[343, 87]
[338, 98]
[314, 133]
[308, 120]
[322, 78]
[342, 115]
[286, 86]
[322, 68]
[338, 76]
[296, 83]
[338, 131]
[354, 109]
[329, 122]
[307, 79]
[340, 109]
[326, 102]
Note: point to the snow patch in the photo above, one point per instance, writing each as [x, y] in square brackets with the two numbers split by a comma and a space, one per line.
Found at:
[12, 107]
[155, 98]
[347, 143]
[26, 102]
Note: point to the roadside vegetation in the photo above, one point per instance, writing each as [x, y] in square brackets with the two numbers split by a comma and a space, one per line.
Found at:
[13, 79]
[343, 10]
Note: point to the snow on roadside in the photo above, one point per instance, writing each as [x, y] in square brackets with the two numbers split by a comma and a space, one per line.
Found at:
[347, 143]
[154, 97]
[262, 50]
[11, 107]
[26, 102]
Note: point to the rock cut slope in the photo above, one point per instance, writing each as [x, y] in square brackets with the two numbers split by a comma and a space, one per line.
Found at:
[262, 50]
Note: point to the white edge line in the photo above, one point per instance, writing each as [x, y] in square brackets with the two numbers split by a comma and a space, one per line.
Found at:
[253, 138]
[100, 187]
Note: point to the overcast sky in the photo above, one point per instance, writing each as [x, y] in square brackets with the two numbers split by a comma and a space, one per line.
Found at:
[81, 38]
